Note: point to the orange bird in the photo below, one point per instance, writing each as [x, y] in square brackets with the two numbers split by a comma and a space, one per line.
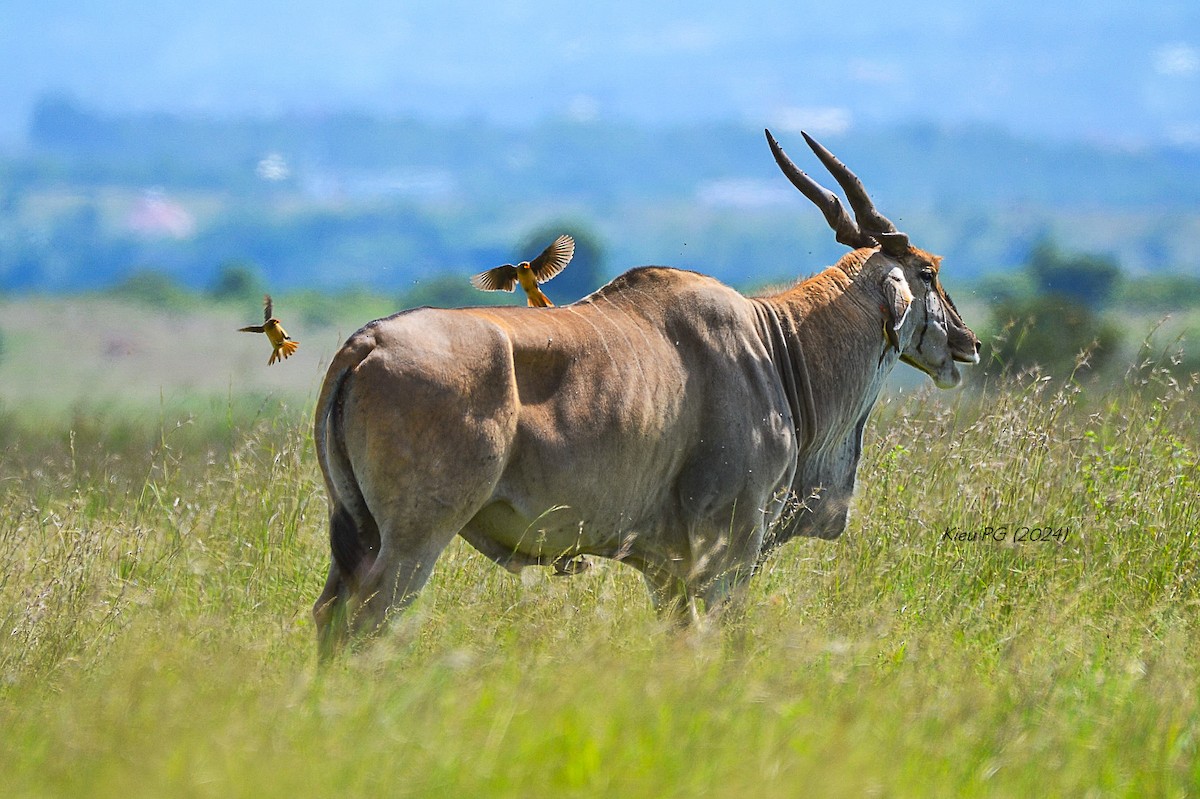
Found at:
[553, 260]
[282, 344]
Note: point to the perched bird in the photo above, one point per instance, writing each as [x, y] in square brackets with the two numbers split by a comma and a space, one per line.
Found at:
[281, 343]
[529, 273]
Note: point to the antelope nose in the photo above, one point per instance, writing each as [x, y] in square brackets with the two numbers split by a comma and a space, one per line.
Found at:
[978, 345]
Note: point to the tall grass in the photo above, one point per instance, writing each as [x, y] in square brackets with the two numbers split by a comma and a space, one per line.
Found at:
[155, 639]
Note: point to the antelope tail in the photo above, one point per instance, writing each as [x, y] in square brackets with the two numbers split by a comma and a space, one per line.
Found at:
[353, 532]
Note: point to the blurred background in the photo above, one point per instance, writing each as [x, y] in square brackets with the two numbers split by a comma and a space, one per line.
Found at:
[162, 167]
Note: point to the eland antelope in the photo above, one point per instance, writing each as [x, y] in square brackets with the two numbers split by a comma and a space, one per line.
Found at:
[665, 421]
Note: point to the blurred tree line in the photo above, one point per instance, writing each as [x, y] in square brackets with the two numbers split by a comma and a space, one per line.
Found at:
[1063, 312]
[242, 283]
[329, 200]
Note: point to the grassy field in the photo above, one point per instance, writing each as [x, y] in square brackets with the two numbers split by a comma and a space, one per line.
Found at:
[159, 567]
[90, 353]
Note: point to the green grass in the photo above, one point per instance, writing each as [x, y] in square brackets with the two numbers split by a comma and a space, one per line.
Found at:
[158, 572]
[66, 356]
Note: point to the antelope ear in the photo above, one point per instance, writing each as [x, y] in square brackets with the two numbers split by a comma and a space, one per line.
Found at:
[897, 298]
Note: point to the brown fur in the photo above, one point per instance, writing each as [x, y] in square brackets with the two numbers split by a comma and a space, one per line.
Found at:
[665, 421]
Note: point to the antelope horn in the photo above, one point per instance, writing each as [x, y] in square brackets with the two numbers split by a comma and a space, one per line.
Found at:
[869, 220]
[847, 230]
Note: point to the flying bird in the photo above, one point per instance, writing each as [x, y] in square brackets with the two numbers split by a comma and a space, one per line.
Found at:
[529, 273]
[282, 345]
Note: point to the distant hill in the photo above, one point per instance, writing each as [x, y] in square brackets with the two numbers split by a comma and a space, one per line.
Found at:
[926, 164]
[336, 199]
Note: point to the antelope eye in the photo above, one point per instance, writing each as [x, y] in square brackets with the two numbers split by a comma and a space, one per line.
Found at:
[927, 275]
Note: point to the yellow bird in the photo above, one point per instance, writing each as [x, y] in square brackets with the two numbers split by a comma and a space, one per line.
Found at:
[282, 344]
[553, 260]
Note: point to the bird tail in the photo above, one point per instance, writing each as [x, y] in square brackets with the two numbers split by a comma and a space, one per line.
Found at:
[284, 350]
[539, 300]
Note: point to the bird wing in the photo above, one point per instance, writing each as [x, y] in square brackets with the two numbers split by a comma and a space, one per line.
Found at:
[252, 329]
[553, 259]
[266, 307]
[501, 278]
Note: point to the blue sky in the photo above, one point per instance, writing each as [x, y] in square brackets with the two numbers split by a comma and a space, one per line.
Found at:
[1122, 72]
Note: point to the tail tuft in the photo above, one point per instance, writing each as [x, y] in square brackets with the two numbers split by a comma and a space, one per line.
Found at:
[353, 550]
